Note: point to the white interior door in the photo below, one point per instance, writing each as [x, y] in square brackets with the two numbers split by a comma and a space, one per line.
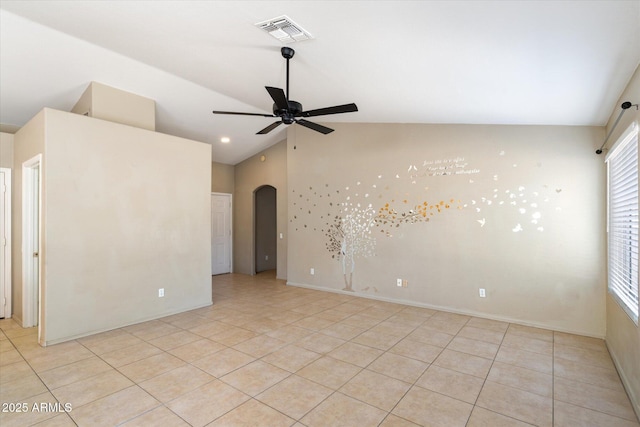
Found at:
[31, 181]
[5, 243]
[220, 233]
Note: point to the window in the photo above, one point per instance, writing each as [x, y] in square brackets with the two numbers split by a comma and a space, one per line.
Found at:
[622, 171]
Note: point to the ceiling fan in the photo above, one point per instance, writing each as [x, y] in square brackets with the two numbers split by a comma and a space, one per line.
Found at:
[291, 111]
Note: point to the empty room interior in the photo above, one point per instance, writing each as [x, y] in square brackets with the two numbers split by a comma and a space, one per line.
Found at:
[319, 213]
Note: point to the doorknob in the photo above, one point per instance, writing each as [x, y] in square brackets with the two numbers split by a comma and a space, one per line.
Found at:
[35, 254]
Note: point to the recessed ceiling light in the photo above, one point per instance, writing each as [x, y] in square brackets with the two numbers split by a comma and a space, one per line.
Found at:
[225, 140]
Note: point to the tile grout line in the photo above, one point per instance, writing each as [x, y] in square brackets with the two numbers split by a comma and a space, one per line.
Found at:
[486, 379]
[327, 355]
[40, 379]
[305, 299]
[135, 383]
[411, 384]
[405, 337]
[258, 358]
[321, 356]
[486, 376]
[288, 376]
[416, 380]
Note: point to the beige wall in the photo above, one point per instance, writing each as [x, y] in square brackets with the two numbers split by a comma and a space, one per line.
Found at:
[623, 335]
[249, 176]
[127, 212]
[222, 178]
[520, 215]
[29, 141]
[107, 103]
[6, 150]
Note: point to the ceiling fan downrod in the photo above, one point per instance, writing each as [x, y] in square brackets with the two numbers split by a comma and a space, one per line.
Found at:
[287, 53]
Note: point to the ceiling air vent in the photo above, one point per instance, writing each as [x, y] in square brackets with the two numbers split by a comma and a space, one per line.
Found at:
[284, 29]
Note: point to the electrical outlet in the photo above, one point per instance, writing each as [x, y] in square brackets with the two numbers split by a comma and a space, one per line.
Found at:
[405, 283]
[399, 282]
[482, 293]
[160, 292]
[312, 271]
[266, 257]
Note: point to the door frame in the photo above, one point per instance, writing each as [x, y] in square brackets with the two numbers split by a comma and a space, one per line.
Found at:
[230, 196]
[6, 227]
[32, 212]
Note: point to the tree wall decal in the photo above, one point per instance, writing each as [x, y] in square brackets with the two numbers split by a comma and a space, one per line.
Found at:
[350, 236]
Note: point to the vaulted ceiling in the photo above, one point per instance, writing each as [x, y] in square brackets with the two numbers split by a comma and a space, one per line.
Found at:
[480, 62]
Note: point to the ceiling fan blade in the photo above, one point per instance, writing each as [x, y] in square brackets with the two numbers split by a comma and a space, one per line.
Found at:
[314, 126]
[243, 114]
[346, 108]
[269, 128]
[278, 97]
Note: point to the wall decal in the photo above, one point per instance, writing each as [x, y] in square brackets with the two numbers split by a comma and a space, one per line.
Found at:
[349, 225]
[350, 236]
[389, 217]
[524, 202]
[439, 167]
[351, 222]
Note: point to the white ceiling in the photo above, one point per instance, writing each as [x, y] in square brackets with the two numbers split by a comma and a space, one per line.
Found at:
[492, 62]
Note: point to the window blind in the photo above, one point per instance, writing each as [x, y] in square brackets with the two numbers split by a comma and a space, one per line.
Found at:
[623, 221]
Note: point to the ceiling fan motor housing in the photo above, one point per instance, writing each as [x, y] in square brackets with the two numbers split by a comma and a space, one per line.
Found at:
[288, 115]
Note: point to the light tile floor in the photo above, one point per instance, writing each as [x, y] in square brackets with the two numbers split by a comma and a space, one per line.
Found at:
[270, 355]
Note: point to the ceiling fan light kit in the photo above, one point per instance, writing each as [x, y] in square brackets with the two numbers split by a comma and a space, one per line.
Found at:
[290, 111]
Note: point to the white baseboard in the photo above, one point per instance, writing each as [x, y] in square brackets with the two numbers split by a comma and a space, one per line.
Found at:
[448, 309]
[17, 320]
[635, 400]
[99, 331]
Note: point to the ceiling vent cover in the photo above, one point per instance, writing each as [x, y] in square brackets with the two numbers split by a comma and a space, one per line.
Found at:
[284, 29]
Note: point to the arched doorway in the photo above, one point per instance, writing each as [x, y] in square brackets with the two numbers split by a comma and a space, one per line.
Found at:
[265, 229]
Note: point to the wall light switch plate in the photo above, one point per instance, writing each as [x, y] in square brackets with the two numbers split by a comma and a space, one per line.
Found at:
[482, 293]
[312, 271]
[399, 282]
[160, 292]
